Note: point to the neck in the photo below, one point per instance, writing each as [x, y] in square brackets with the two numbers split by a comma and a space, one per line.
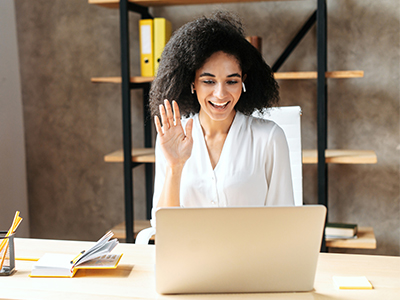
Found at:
[215, 127]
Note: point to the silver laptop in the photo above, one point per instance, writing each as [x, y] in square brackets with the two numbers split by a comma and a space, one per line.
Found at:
[238, 250]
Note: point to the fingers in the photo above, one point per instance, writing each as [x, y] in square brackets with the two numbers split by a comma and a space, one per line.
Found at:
[188, 128]
[170, 114]
[164, 119]
[158, 126]
[168, 122]
[177, 114]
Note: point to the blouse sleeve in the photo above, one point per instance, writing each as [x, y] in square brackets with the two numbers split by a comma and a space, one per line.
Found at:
[278, 172]
[159, 179]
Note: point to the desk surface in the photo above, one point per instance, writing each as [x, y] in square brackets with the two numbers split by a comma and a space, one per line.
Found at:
[134, 277]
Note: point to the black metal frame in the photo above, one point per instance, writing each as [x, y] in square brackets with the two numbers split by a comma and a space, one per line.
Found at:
[319, 16]
[124, 8]
[322, 111]
[126, 118]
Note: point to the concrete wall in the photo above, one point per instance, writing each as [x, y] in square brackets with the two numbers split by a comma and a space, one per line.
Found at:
[70, 123]
[13, 192]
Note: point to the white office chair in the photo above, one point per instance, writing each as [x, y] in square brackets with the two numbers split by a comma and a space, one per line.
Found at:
[289, 119]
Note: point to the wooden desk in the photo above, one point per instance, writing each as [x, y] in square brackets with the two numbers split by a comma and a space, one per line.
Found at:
[134, 278]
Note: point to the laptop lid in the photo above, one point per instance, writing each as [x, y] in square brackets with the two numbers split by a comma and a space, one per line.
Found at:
[235, 250]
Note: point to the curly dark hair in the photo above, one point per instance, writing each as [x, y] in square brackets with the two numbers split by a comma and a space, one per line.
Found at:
[190, 47]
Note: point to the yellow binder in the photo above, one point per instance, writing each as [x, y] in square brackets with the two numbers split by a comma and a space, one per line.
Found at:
[162, 33]
[146, 47]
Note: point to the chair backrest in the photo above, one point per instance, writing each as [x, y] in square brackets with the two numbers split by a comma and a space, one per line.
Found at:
[289, 119]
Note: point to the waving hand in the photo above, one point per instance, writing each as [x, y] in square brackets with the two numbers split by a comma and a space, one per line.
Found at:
[175, 144]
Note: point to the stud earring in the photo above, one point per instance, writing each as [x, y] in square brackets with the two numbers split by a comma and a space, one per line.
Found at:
[244, 88]
[192, 88]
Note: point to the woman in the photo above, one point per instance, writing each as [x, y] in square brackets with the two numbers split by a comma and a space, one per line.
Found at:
[223, 157]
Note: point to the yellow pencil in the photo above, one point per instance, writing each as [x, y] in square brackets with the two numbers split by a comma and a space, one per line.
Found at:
[27, 258]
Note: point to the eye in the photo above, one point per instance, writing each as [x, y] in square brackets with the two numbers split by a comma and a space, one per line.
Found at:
[231, 82]
[208, 81]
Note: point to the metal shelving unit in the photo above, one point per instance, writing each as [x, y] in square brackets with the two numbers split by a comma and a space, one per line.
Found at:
[132, 158]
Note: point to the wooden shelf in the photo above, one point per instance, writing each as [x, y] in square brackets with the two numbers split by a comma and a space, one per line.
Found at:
[146, 155]
[278, 76]
[149, 3]
[134, 79]
[314, 75]
[139, 155]
[119, 230]
[341, 156]
[365, 240]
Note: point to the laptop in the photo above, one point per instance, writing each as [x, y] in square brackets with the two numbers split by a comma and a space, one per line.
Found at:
[238, 249]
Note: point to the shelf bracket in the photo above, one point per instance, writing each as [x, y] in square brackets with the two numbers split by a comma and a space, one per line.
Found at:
[142, 10]
[133, 85]
[295, 41]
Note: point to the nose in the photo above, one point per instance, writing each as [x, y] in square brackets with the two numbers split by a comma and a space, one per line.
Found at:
[220, 91]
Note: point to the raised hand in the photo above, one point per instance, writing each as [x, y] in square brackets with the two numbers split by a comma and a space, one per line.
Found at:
[175, 144]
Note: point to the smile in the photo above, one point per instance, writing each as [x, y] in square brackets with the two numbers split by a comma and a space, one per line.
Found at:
[219, 105]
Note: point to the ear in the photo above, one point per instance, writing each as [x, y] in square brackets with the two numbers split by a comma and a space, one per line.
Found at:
[192, 89]
[244, 77]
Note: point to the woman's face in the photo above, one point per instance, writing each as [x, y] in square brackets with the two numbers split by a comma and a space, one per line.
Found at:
[218, 85]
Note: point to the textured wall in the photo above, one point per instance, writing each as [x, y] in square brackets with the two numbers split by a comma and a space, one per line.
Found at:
[13, 187]
[70, 123]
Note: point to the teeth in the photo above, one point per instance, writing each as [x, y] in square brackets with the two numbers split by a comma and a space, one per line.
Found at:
[219, 104]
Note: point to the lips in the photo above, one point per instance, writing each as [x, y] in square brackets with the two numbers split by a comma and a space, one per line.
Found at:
[219, 105]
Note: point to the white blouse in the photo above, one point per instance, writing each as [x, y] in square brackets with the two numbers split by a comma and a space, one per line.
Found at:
[253, 168]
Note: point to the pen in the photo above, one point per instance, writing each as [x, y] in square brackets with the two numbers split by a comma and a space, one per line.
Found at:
[76, 258]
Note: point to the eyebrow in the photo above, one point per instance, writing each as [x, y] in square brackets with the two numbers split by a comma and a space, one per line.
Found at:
[211, 75]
